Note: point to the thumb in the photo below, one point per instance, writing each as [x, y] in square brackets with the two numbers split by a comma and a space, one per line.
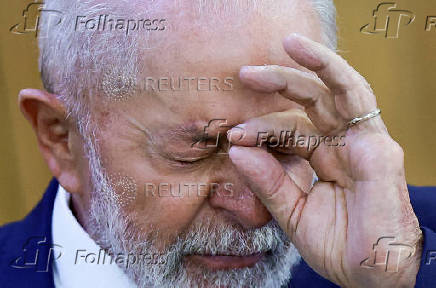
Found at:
[269, 181]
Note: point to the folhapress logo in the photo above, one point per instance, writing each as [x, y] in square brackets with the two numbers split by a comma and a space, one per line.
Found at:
[37, 255]
[388, 254]
[208, 141]
[388, 20]
[31, 18]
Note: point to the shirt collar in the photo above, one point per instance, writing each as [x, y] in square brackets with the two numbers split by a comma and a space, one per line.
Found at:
[80, 261]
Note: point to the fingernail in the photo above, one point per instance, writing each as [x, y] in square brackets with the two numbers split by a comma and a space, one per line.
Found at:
[236, 133]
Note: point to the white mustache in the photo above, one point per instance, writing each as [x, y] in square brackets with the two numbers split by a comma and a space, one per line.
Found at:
[227, 240]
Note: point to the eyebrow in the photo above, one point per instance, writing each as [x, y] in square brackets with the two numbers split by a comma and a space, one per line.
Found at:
[192, 131]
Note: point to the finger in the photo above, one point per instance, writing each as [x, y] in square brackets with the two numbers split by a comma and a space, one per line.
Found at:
[287, 132]
[267, 179]
[298, 169]
[345, 82]
[301, 87]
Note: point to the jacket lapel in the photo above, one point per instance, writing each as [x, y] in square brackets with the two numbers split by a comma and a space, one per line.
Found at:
[26, 248]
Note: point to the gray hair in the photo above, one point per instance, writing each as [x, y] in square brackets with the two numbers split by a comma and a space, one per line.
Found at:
[327, 15]
[76, 65]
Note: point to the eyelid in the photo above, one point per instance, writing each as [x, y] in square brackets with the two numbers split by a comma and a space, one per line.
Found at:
[189, 159]
[189, 163]
[204, 144]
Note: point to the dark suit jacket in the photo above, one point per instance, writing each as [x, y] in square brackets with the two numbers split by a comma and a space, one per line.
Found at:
[27, 251]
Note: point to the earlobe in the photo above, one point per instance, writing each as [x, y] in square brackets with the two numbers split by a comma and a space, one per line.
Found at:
[54, 132]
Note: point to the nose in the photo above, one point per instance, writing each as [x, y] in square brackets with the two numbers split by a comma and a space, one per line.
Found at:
[234, 198]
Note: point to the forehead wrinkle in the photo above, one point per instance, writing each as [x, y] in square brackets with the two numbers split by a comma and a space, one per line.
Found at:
[190, 131]
[150, 137]
[154, 149]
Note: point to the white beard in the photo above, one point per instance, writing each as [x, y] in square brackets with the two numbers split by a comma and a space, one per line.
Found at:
[112, 231]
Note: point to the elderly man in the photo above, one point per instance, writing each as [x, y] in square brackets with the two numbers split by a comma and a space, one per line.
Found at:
[212, 144]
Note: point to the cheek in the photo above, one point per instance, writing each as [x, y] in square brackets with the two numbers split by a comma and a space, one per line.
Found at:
[164, 206]
[152, 196]
[153, 199]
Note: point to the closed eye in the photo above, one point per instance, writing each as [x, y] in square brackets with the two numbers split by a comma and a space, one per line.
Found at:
[188, 161]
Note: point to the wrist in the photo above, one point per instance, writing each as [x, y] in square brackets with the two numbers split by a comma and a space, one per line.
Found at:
[411, 267]
[400, 272]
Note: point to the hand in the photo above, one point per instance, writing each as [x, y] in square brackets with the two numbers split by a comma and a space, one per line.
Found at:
[361, 195]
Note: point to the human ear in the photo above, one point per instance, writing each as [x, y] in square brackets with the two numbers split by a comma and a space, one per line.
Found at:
[55, 134]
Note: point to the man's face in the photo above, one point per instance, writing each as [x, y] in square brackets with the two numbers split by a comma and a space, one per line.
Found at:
[157, 147]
